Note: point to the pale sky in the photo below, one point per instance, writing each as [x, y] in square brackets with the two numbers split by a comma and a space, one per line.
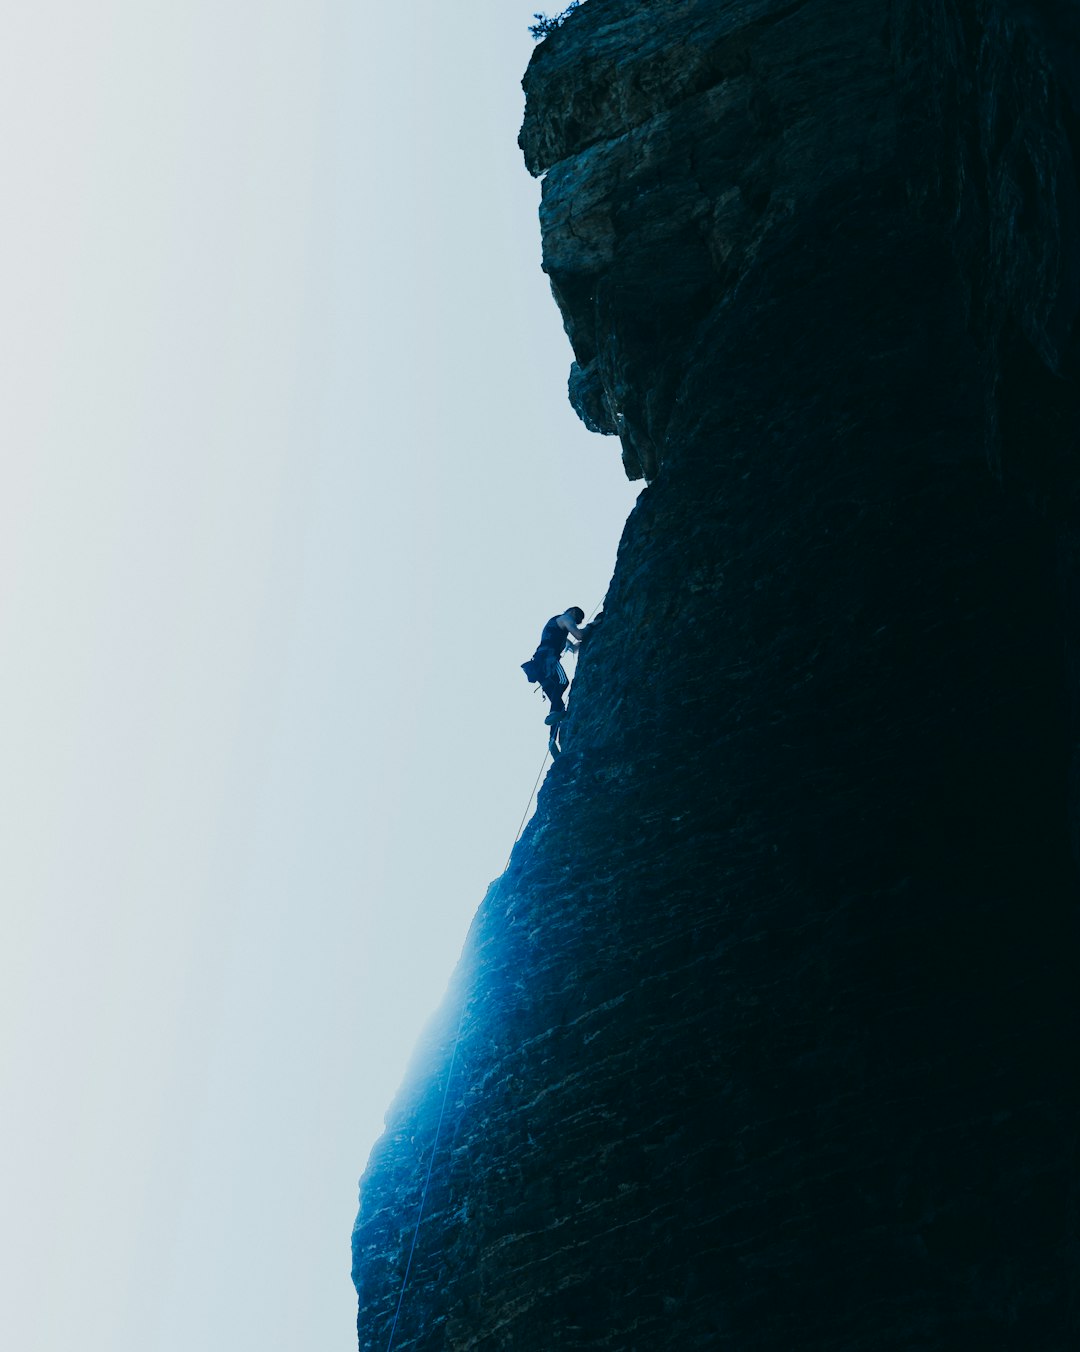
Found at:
[289, 486]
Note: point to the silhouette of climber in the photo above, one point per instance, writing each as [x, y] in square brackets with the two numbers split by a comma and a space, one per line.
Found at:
[558, 634]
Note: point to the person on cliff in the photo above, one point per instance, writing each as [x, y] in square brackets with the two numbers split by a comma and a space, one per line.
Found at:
[544, 666]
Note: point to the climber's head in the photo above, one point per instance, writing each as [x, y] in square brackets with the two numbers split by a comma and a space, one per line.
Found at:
[576, 614]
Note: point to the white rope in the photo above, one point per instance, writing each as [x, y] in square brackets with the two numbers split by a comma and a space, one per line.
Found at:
[427, 1180]
[450, 1070]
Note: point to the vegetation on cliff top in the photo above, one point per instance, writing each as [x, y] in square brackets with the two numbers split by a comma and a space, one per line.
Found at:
[544, 25]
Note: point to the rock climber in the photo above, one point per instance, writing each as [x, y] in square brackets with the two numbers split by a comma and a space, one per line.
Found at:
[558, 635]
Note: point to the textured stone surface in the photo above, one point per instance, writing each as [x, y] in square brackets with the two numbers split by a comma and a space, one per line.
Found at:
[769, 1031]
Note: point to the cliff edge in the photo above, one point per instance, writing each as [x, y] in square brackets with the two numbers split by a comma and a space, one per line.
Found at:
[766, 1038]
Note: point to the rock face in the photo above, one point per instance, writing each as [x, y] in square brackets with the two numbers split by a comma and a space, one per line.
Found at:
[767, 1037]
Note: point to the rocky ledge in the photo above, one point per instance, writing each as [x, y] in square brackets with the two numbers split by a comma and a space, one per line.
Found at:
[766, 1038]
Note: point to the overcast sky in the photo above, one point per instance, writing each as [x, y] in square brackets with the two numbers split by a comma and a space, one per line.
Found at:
[289, 486]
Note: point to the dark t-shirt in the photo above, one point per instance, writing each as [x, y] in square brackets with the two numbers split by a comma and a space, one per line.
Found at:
[553, 639]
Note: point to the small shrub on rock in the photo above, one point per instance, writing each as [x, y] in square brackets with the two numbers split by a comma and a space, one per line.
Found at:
[544, 25]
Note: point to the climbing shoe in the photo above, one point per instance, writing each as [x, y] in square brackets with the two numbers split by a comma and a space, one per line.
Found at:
[556, 716]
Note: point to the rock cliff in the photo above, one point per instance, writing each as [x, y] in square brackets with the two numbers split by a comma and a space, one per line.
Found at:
[766, 1039]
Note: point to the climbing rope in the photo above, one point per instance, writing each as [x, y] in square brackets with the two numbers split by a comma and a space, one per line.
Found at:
[427, 1179]
[450, 1068]
[524, 815]
[446, 1094]
[540, 773]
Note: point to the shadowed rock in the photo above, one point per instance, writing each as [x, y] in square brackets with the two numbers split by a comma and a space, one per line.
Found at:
[766, 1038]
